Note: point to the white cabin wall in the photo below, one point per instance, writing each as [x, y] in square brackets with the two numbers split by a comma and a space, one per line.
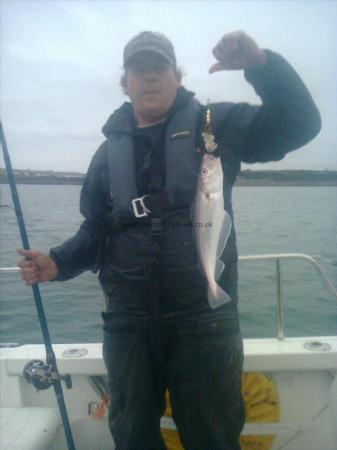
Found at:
[333, 401]
[10, 393]
[305, 399]
[76, 399]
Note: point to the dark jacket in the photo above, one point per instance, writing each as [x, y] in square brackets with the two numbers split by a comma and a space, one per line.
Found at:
[286, 120]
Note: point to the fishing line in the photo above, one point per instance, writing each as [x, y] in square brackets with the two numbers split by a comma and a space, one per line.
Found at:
[53, 376]
[208, 88]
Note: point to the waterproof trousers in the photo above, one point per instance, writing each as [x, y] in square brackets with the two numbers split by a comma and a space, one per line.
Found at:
[200, 365]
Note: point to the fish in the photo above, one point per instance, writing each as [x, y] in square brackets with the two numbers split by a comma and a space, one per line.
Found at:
[212, 225]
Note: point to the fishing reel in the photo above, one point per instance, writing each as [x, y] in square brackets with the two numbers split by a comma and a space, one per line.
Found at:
[42, 375]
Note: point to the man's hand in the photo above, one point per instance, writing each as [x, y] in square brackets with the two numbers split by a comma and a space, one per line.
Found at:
[236, 51]
[37, 268]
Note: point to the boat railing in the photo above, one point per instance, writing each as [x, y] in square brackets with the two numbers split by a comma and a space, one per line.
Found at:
[277, 258]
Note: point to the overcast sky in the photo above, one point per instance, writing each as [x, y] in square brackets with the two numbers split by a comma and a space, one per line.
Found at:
[61, 64]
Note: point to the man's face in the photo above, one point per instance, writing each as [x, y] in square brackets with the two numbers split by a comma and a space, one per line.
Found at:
[151, 84]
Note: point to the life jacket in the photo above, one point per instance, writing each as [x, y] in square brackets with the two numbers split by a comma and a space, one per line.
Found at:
[182, 162]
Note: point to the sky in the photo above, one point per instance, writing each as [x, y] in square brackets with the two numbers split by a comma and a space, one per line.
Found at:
[61, 63]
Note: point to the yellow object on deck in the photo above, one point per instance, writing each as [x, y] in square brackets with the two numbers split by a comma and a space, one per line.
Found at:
[262, 404]
[171, 437]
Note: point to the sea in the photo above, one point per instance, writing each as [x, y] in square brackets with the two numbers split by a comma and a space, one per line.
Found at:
[268, 220]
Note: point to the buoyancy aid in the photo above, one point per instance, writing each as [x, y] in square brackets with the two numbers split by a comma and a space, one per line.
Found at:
[182, 162]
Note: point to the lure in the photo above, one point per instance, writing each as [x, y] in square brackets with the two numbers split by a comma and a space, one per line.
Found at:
[207, 135]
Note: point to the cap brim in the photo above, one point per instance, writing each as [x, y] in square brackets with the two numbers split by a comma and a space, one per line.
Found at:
[136, 56]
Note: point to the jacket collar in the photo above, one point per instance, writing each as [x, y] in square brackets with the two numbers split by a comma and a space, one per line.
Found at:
[122, 120]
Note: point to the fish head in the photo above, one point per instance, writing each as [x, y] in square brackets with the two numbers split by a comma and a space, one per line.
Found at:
[211, 177]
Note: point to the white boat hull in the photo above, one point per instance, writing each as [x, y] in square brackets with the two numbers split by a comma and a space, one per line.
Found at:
[305, 380]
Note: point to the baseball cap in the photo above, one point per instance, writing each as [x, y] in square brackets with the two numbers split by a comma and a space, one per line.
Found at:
[149, 41]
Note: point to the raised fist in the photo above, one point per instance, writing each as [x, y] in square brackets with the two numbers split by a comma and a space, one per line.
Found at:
[236, 51]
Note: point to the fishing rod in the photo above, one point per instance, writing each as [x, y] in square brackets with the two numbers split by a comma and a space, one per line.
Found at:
[41, 375]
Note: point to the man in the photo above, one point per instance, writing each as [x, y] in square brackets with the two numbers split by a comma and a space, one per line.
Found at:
[159, 330]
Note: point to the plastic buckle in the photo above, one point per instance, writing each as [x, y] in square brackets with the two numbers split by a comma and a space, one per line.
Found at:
[138, 205]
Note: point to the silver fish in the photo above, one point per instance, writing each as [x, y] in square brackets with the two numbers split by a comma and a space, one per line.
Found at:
[212, 226]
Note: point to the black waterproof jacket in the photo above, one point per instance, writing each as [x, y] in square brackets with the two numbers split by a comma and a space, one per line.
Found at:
[125, 255]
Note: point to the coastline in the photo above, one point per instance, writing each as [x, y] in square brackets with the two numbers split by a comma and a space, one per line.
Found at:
[244, 178]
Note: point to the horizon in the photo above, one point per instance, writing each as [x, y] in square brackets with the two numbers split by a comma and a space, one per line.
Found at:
[245, 169]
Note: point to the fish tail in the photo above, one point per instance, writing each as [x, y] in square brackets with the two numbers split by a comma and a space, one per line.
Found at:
[217, 296]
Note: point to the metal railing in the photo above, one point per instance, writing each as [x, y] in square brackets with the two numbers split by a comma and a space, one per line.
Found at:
[9, 269]
[277, 257]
